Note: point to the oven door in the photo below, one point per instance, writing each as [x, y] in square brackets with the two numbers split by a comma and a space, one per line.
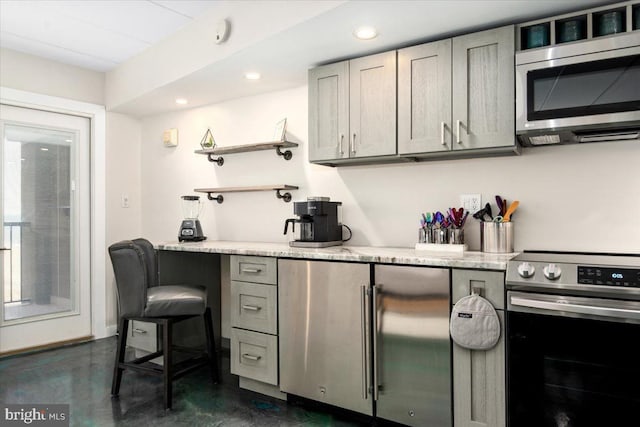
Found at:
[595, 90]
[572, 361]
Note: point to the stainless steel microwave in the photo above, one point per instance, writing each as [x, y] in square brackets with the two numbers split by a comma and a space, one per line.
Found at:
[579, 92]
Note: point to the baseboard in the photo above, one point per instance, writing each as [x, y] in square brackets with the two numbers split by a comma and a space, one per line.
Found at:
[111, 330]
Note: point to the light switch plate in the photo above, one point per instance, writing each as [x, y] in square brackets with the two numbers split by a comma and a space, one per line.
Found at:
[170, 137]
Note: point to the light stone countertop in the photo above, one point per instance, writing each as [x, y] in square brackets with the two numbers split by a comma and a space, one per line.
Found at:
[368, 254]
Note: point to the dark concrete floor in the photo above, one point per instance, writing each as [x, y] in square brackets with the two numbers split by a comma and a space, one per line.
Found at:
[80, 376]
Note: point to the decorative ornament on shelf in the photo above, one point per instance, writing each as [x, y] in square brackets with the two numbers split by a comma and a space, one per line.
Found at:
[280, 132]
[207, 142]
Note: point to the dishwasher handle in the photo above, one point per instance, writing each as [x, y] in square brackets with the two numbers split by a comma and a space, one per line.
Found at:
[560, 305]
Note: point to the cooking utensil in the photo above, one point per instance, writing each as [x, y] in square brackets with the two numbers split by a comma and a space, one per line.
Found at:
[511, 210]
[499, 202]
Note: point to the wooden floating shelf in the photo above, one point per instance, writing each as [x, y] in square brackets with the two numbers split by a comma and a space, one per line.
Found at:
[277, 188]
[261, 146]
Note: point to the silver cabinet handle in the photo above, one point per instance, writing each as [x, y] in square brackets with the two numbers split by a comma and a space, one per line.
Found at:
[251, 307]
[458, 139]
[341, 141]
[5, 249]
[251, 270]
[443, 125]
[251, 357]
[139, 331]
[374, 313]
[353, 146]
[363, 331]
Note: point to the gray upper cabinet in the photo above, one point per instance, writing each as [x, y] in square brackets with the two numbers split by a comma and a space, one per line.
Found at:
[483, 89]
[329, 112]
[352, 109]
[457, 94]
[424, 98]
[372, 94]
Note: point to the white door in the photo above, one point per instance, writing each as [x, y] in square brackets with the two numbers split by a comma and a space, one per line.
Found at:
[45, 234]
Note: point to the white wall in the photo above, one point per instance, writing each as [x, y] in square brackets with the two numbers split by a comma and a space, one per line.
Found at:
[579, 197]
[123, 177]
[34, 74]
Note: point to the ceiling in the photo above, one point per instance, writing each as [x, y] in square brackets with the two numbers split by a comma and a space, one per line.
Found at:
[96, 34]
[103, 35]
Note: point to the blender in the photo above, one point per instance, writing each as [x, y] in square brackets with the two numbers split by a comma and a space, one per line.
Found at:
[190, 229]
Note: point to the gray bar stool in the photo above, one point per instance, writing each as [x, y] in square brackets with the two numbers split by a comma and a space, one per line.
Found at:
[140, 298]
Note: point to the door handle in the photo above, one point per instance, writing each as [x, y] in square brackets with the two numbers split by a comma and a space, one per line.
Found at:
[443, 125]
[251, 307]
[5, 249]
[251, 357]
[353, 145]
[363, 330]
[374, 321]
[341, 147]
[458, 139]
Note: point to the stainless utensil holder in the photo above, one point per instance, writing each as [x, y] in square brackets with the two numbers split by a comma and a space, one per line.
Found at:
[496, 237]
[456, 236]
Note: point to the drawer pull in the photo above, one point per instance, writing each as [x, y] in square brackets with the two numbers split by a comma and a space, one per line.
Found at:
[251, 357]
[139, 331]
[251, 270]
[251, 307]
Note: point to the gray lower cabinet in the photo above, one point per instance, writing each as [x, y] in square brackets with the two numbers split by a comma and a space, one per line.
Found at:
[457, 94]
[254, 323]
[479, 386]
[352, 109]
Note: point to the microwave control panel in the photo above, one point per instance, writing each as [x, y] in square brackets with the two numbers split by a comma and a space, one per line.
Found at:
[625, 277]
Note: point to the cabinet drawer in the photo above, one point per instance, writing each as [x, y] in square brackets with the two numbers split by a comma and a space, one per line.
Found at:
[490, 283]
[254, 355]
[254, 307]
[254, 269]
[142, 335]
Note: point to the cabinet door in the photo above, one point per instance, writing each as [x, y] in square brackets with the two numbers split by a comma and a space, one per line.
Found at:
[479, 385]
[372, 118]
[323, 332]
[483, 89]
[329, 112]
[424, 98]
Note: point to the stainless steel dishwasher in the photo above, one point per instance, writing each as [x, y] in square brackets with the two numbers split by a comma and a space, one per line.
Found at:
[328, 352]
[412, 361]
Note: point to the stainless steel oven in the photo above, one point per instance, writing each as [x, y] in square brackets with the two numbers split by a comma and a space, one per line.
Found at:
[579, 92]
[573, 340]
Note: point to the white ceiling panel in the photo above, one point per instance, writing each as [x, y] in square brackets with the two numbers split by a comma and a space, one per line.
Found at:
[55, 53]
[190, 8]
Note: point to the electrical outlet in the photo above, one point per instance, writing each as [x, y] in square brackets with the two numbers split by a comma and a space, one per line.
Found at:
[471, 202]
[124, 201]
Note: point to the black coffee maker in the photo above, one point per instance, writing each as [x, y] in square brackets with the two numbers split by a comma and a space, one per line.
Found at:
[318, 223]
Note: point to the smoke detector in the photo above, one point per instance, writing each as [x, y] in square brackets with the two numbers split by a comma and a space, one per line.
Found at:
[222, 31]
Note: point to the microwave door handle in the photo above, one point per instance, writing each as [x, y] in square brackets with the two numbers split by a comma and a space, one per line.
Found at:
[569, 305]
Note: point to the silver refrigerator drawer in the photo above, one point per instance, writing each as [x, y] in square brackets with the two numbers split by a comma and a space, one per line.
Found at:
[324, 350]
[413, 354]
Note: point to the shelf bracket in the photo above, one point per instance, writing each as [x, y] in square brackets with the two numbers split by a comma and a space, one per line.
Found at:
[286, 197]
[217, 198]
[219, 160]
[286, 154]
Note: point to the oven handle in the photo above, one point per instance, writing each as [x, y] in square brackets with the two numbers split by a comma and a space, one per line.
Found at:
[559, 305]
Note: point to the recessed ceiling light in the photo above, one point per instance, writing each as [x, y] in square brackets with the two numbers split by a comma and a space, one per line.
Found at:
[68, 140]
[252, 76]
[44, 149]
[181, 101]
[365, 33]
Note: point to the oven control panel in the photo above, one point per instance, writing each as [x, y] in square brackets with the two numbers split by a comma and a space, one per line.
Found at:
[625, 277]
